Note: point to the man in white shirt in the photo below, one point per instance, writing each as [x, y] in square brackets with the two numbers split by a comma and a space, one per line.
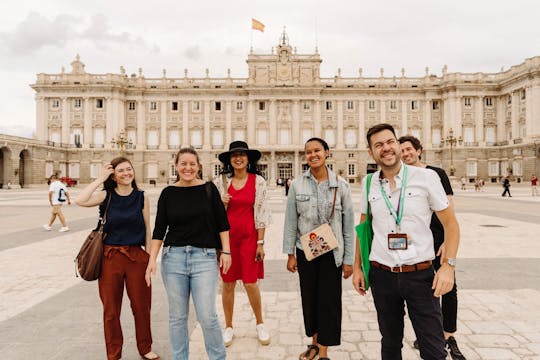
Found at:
[402, 200]
[58, 194]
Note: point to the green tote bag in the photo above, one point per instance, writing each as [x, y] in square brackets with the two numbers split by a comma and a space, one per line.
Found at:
[365, 235]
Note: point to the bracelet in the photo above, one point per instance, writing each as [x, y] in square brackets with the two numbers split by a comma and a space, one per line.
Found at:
[226, 252]
[260, 242]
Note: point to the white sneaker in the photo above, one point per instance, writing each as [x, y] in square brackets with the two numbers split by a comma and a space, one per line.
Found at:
[47, 227]
[228, 335]
[63, 229]
[263, 335]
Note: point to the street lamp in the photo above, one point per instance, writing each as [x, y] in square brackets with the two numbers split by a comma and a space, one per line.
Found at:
[452, 140]
[121, 142]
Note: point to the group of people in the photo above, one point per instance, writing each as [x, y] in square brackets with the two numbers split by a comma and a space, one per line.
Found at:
[211, 229]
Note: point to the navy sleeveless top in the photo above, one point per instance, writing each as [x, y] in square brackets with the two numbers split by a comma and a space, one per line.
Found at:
[125, 222]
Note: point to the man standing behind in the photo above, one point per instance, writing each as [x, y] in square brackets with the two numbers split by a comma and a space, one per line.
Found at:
[411, 154]
[58, 194]
[534, 185]
[402, 200]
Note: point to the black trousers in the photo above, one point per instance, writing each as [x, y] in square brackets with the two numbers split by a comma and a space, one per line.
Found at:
[506, 190]
[390, 293]
[320, 288]
[449, 303]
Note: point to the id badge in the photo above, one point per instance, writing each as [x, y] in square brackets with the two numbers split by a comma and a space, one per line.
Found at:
[397, 241]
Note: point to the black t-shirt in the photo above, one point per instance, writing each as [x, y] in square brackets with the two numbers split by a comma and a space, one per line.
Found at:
[436, 226]
[190, 216]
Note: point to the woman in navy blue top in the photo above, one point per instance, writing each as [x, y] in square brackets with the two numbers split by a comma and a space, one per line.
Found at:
[127, 225]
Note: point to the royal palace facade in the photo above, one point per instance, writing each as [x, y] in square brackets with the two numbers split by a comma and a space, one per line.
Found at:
[475, 125]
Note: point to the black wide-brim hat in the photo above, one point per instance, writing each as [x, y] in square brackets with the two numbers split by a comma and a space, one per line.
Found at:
[253, 155]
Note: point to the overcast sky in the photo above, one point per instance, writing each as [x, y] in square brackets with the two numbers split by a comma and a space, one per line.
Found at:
[42, 36]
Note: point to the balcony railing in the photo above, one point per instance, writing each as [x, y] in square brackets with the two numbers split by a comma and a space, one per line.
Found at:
[174, 147]
[97, 146]
[152, 147]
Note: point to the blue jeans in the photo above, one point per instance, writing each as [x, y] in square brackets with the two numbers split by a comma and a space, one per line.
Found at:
[185, 270]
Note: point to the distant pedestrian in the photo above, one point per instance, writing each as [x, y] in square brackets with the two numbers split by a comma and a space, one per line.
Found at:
[506, 186]
[463, 183]
[477, 185]
[58, 195]
[482, 184]
[9, 185]
[534, 185]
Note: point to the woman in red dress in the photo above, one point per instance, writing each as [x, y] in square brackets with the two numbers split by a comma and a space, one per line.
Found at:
[244, 196]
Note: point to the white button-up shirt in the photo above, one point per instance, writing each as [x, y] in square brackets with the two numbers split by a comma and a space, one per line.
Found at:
[424, 194]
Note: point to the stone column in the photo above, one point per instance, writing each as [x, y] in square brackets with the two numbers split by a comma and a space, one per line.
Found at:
[272, 168]
[515, 115]
[296, 164]
[65, 121]
[42, 120]
[206, 136]
[479, 120]
[228, 123]
[382, 111]
[295, 136]
[87, 124]
[120, 114]
[426, 124]
[185, 123]
[501, 118]
[250, 136]
[317, 118]
[404, 124]
[362, 144]
[109, 123]
[141, 125]
[339, 140]
[458, 117]
[533, 110]
[272, 114]
[163, 141]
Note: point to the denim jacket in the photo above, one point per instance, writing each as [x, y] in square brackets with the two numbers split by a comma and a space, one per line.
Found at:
[301, 215]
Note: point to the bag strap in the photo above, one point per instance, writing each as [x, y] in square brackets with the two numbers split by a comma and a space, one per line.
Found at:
[368, 186]
[334, 203]
[103, 219]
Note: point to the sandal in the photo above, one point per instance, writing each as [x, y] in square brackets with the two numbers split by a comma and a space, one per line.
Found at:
[306, 354]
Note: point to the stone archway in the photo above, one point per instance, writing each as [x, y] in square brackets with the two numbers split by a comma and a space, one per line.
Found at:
[5, 168]
[24, 168]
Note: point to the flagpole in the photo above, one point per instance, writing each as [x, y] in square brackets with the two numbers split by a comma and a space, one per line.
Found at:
[251, 41]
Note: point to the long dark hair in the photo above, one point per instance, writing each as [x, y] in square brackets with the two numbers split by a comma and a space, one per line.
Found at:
[187, 150]
[110, 184]
[251, 168]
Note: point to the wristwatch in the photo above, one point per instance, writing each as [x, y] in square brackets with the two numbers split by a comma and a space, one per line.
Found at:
[450, 261]
[260, 242]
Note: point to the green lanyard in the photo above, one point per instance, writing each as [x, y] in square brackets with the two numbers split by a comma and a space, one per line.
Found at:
[401, 203]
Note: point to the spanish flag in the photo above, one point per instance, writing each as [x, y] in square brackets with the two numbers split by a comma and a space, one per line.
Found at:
[257, 25]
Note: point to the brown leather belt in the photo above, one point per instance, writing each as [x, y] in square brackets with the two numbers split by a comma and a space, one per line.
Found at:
[403, 268]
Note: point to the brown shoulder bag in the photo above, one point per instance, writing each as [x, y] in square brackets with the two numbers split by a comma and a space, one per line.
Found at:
[88, 261]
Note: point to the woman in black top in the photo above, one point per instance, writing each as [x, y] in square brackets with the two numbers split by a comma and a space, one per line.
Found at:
[124, 263]
[192, 225]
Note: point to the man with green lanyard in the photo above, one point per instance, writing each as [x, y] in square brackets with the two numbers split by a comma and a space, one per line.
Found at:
[402, 199]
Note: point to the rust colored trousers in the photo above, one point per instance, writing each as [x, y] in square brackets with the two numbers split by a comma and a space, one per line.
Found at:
[125, 265]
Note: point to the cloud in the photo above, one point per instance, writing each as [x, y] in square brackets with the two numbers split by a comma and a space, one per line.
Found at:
[36, 32]
[193, 52]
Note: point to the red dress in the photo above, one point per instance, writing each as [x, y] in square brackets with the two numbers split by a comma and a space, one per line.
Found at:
[243, 235]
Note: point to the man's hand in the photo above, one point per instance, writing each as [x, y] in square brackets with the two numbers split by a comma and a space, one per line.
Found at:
[444, 280]
[358, 281]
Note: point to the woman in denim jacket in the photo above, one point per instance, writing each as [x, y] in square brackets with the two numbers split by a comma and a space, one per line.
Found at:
[309, 205]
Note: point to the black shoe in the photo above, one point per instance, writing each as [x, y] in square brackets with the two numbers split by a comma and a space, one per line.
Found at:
[453, 349]
[415, 345]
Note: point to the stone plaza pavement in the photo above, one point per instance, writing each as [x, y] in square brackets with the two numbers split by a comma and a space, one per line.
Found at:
[48, 313]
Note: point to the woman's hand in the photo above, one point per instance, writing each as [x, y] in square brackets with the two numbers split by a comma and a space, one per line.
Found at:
[225, 198]
[259, 254]
[150, 271]
[291, 263]
[225, 262]
[106, 171]
[347, 271]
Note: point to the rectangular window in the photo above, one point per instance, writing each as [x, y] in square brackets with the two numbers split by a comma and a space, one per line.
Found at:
[75, 137]
[306, 134]
[504, 168]
[414, 104]
[239, 105]
[217, 106]
[467, 101]
[284, 136]
[95, 169]
[196, 139]
[350, 105]
[239, 134]
[73, 170]
[523, 94]
[99, 103]
[153, 105]
[132, 136]
[217, 169]
[330, 137]
[489, 101]
[174, 106]
[55, 103]
[371, 104]
[393, 105]
[217, 139]
[131, 105]
[172, 171]
[435, 105]
[153, 139]
[77, 103]
[350, 138]
[262, 105]
[351, 170]
[99, 136]
[490, 135]
[174, 139]
[307, 105]
[468, 135]
[262, 136]
[48, 169]
[196, 106]
[509, 99]
[493, 168]
[436, 137]
[329, 105]
[471, 168]
[152, 171]
[517, 169]
[416, 133]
